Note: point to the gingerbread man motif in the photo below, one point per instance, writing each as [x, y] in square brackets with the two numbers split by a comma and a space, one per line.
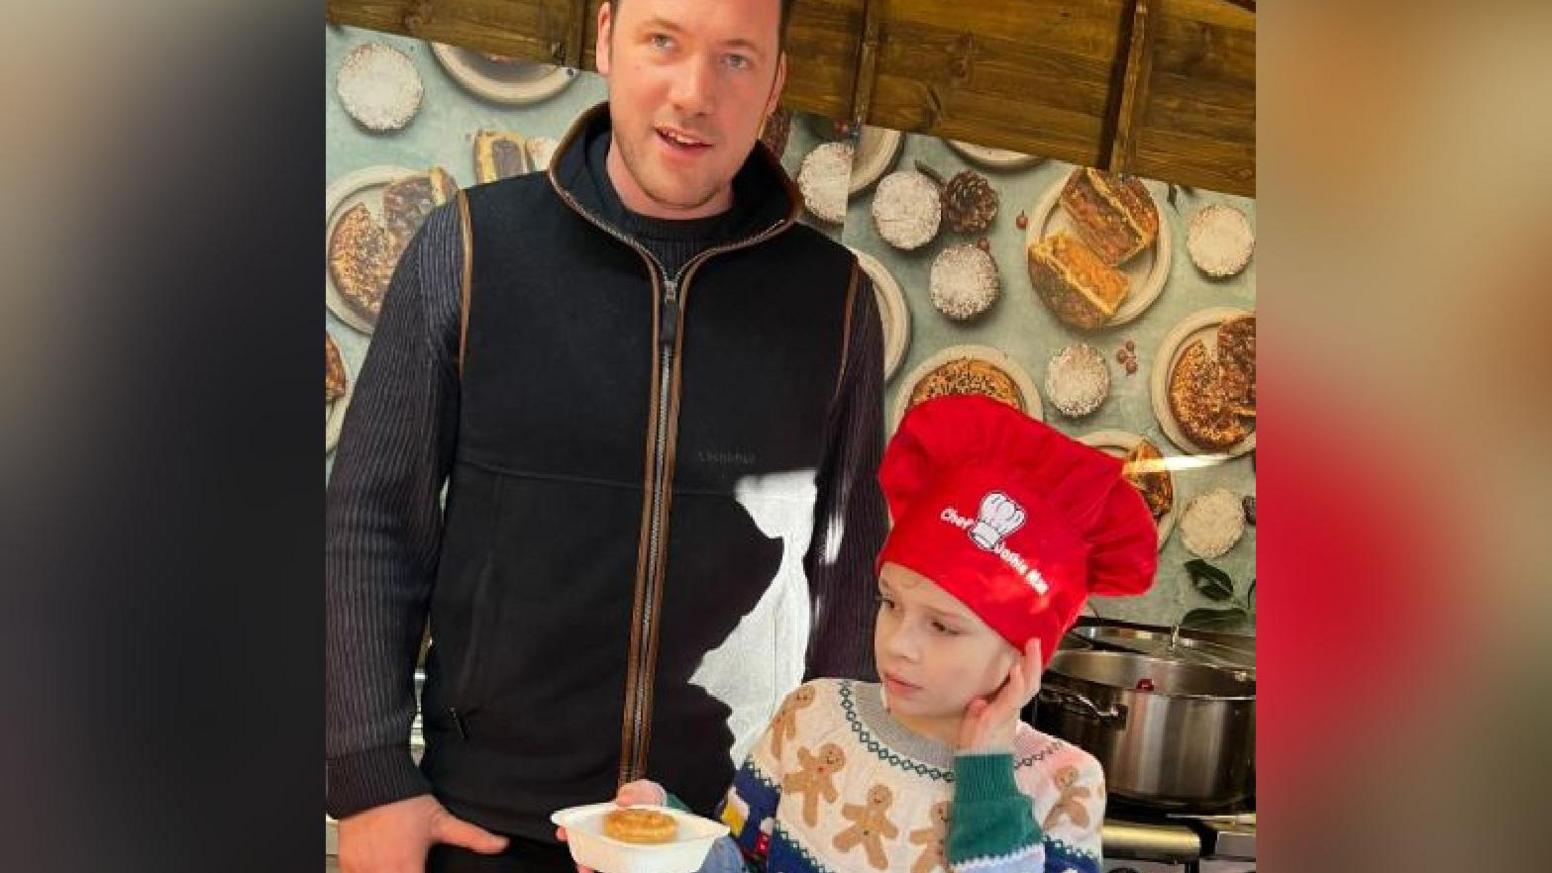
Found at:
[1069, 803]
[815, 778]
[931, 838]
[785, 725]
[872, 826]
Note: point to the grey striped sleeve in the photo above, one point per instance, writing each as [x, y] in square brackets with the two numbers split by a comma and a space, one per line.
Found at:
[851, 518]
[383, 524]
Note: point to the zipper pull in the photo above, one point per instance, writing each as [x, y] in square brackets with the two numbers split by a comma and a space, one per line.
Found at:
[668, 321]
[463, 731]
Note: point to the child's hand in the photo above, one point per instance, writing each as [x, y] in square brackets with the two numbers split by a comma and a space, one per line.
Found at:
[988, 722]
[631, 793]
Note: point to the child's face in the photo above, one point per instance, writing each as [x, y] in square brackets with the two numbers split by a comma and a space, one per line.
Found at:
[932, 653]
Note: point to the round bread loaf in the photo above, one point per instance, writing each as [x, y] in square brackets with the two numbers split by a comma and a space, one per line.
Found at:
[907, 209]
[379, 86]
[964, 282]
[823, 179]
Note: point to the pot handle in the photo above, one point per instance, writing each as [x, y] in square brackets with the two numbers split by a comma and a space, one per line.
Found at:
[1078, 704]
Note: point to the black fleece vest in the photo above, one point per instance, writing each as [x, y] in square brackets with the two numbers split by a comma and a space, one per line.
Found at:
[543, 548]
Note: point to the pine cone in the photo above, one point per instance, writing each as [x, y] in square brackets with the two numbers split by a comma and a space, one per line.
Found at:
[969, 203]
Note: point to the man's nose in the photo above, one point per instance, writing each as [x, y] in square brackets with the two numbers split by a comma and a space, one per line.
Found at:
[694, 91]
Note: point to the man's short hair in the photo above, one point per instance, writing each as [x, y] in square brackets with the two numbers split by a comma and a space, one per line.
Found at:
[781, 31]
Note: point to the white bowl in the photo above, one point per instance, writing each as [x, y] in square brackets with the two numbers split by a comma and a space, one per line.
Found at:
[591, 848]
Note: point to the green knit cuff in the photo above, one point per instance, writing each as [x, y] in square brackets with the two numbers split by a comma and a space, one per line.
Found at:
[980, 777]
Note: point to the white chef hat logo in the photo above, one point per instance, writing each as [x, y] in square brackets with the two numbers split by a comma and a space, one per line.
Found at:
[1000, 516]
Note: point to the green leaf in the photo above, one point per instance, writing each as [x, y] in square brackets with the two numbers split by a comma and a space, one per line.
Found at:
[1210, 582]
[1215, 619]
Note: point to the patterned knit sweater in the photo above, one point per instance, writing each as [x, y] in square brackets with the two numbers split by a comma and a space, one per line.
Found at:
[836, 785]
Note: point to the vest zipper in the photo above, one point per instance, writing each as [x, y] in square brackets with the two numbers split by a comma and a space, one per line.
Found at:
[638, 707]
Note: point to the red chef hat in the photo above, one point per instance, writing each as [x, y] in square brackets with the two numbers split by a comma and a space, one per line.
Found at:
[1013, 518]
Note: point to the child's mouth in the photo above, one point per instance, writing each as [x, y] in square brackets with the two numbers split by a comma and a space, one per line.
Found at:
[896, 685]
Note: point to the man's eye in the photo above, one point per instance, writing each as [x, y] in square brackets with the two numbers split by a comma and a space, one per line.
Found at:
[738, 62]
[661, 40]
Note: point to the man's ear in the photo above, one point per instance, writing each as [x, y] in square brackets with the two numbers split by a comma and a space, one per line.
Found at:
[781, 81]
[605, 31]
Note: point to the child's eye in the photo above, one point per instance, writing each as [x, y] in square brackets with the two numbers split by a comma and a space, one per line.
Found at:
[884, 601]
[944, 629]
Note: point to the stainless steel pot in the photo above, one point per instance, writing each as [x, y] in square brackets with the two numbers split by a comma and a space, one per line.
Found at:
[1161, 643]
[1187, 742]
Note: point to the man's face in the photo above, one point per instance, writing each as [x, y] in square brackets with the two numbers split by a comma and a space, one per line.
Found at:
[932, 653]
[690, 85]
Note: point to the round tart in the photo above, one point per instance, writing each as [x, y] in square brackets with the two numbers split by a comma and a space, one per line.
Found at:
[964, 282]
[640, 826]
[1220, 241]
[379, 86]
[968, 376]
[823, 181]
[1077, 380]
[907, 209]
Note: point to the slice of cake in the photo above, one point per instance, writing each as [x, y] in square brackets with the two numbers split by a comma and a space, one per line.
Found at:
[1113, 213]
[1080, 288]
[498, 154]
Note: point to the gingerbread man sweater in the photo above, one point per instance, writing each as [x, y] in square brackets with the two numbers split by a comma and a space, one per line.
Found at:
[837, 785]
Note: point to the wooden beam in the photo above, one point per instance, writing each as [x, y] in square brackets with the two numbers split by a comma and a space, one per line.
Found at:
[1134, 86]
[1159, 88]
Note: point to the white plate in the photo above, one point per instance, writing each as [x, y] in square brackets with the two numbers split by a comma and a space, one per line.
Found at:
[998, 357]
[1146, 272]
[1203, 325]
[591, 848]
[334, 416]
[996, 159]
[876, 152]
[1117, 444]
[515, 84]
[362, 186]
[892, 311]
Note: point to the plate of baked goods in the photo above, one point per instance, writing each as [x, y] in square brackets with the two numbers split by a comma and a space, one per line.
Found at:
[370, 216]
[339, 383]
[1145, 467]
[504, 79]
[1098, 249]
[969, 369]
[892, 311]
[637, 839]
[1203, 383]
[993, 158]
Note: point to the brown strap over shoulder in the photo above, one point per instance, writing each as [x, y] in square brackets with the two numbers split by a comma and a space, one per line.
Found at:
[466, 231]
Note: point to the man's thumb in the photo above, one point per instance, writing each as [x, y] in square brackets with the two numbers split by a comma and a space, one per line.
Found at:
[457, 832]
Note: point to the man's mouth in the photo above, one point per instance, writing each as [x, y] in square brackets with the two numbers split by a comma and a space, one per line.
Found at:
[680, 139]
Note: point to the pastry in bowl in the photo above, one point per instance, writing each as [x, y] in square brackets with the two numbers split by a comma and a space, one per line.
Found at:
[640, 826]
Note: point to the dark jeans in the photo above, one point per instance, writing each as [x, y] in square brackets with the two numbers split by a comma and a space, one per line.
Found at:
[521, 856]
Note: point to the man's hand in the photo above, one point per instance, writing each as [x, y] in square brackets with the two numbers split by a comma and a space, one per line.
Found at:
[631, 793]
[989, 721]
[395, 837]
